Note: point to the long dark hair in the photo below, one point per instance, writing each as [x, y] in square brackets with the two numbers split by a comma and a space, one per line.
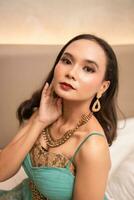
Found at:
[107, 116]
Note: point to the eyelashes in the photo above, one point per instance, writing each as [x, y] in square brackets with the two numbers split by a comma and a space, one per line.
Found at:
[68, 62]
[65, 60]
[89, 69]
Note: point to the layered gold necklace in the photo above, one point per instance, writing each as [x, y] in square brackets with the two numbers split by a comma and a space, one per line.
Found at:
[50, 142]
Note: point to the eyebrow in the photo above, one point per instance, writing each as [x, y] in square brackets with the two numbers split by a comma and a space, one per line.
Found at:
[86, 60]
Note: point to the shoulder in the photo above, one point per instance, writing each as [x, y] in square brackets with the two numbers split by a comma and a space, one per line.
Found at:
[94, 150]
[92, 165]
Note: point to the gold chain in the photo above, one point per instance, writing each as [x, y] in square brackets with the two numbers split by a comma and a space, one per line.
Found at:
[36, 195]
[50, 142]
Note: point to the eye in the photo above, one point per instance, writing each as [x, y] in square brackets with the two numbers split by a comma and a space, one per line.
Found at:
[65, 60]
[89, 69]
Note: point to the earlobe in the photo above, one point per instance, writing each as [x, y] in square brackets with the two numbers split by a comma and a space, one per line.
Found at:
[106, 86]
[103, 88]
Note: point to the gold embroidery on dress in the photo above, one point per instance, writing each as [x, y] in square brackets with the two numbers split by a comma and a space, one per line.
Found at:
[40, 157]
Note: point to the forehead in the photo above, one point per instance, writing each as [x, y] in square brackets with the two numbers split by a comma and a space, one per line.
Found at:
[86, 49]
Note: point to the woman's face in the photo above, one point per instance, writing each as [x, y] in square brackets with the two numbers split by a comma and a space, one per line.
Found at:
[82, 65]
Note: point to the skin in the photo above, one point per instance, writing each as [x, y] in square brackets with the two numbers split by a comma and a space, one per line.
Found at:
[86, 78]
[93, 159]
[92, 162]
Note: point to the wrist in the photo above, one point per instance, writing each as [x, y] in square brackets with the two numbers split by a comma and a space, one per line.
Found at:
[40, 123]
[36, 122]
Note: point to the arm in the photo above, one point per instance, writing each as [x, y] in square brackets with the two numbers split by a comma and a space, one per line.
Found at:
[93, 164]
[12, 156]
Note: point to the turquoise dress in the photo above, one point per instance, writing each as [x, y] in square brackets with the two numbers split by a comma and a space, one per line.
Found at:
[51, 176]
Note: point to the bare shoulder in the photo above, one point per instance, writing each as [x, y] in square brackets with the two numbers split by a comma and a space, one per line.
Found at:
[94, 149]
[93, 162]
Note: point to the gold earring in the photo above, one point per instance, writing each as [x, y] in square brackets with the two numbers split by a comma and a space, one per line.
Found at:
[96, 103]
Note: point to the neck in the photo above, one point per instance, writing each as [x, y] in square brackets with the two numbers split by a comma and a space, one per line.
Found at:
[72, 111]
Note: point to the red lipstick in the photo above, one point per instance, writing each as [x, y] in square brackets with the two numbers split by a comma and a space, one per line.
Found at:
[66, 86]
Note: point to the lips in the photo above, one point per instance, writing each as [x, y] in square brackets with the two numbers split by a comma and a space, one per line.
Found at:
[67, 85]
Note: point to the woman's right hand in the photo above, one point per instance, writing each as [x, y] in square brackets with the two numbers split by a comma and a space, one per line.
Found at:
[50, 107]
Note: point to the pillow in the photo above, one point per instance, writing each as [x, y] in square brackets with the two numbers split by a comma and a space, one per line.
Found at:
[121, 176]
[13, 181]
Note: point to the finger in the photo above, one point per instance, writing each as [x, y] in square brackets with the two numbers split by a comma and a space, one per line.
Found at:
[51, 84]
[50, 89]
[45, 89]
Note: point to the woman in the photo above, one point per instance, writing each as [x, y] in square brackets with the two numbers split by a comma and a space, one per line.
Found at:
[67, 126]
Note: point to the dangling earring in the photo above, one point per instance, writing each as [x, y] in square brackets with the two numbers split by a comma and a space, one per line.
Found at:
[96, 103]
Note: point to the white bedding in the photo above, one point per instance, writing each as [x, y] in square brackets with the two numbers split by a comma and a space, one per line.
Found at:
[121, 178]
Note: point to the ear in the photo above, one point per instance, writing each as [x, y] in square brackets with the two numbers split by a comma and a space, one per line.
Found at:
[103, 88]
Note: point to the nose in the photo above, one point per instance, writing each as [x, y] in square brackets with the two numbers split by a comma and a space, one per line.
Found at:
[71, 73]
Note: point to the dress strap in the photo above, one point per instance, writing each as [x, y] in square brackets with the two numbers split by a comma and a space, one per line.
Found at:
[79, 146]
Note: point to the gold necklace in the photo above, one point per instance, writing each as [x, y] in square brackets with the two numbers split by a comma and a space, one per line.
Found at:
[50, 142]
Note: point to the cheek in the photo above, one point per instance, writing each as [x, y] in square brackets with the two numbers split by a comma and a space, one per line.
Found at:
[90, 84]
[57, 71]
